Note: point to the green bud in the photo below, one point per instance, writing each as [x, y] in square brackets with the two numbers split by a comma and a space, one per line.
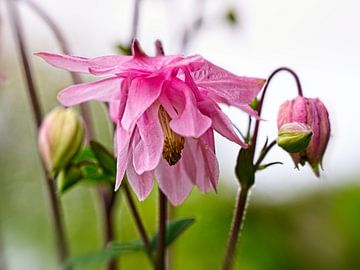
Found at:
[61, 136]
[294, 137]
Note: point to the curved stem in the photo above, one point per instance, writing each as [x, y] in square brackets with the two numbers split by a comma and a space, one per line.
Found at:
[37, 112]
[161, 244]
[65, 48]
[236, 225]
[257, 124]
[243, 194]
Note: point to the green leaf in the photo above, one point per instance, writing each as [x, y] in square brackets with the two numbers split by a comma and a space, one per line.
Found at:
[97, 258]
[68, 178]
[104, 157]
[173, 230]
[124, 49]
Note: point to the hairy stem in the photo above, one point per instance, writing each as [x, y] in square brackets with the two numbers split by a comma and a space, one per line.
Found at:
[161, 244]
[55, 210]
[236, 225]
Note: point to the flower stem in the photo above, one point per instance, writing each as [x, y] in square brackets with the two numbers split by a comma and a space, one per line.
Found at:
[108, 197]
[161, 243]
[138, 222]
[236, 225]
[257, 124]
[65, 48]
[51, 189]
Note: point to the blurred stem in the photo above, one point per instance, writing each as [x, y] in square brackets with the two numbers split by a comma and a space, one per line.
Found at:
[236, 225]
[55, 210]
[138, 222]
[161, 243]
[108, 197]
[65, 48]
[135, 20]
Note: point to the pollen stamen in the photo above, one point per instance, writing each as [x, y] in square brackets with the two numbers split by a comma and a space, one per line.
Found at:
[173, 143]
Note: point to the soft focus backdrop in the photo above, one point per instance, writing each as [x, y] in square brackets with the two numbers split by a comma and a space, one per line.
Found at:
[295, 221]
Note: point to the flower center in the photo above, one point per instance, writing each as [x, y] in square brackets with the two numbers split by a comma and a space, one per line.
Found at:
[173, 143]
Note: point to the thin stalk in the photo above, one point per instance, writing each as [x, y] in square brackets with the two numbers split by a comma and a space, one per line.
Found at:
[65, 48]
[161, 243]
[108, 202]
[55, 210]
[135, 19]
[137, 219]
[236, 225]
[257, 124]
[242, 196]
[107, 197]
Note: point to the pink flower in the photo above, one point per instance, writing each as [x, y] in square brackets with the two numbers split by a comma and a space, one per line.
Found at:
[165, 109]
[312, 112]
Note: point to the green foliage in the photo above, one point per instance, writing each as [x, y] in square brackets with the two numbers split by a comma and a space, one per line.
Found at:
[245, 170]
[115, 249]
[94, 164]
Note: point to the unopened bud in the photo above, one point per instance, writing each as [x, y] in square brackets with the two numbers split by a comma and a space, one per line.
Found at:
[60, 138]
[311, 112]
[294, 137]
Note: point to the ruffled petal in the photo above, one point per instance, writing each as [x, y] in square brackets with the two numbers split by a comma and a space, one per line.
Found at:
[220, 122]
[234, 89]
[173, 181]
[103, 90]
[142, 94]
[148, 151]
[82, 64]
[200, 162]
[141, 184]
[191, 122]
[122, 150]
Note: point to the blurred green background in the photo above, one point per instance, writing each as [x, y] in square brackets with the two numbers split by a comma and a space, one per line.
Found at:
[316, 230]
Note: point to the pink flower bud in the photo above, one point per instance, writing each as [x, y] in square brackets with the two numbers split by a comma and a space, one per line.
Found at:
[312, 112]
[60, 138]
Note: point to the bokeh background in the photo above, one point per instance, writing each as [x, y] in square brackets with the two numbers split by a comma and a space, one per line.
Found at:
[294, 221]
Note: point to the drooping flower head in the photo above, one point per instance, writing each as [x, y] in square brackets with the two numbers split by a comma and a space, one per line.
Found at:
[166, 110]
[312, 113]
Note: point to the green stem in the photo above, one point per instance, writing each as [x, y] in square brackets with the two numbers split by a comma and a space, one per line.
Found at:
[236, 225]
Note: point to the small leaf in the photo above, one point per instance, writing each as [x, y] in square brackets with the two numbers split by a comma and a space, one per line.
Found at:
[173, 230]
[68, 178]
[104, 157]
[264, 166]
[124, 49]
[97, 258]
[231, 16]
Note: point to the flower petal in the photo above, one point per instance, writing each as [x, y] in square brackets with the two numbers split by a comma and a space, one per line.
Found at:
[148, 151]
[122, 150]
[142, 94]
[199, 156]
[173, 181]
[234, 89]
[191, 122]
[141, 184]
[220, 122]
[82, 64]
[103, 90]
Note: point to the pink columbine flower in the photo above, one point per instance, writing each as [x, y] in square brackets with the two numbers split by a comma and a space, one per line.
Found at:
[165, 109]
[312, 112]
